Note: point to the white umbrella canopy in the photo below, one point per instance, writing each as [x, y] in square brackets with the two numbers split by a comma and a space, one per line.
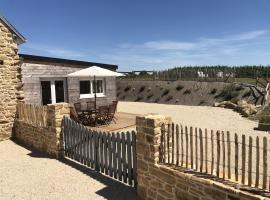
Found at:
[95, 71]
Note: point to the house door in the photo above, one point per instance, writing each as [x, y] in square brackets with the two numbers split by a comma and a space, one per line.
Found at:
[53, 91]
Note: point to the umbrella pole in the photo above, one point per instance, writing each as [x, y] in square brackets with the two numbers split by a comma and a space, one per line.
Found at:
[95, 91]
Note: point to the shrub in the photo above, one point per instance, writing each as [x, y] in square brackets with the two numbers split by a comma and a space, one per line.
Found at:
[139, 99]
[165, 92]
[239, 88]
[150, 96]
[157, 100]
[169, 98]
[149, 89]
[118, 94]
[202, 102]
[229, 92]
[187, 91]
[213, 91]
[247, 94]
[235, 100]
[127, 88]
[179, 87]
[142, 89]
[265, 119]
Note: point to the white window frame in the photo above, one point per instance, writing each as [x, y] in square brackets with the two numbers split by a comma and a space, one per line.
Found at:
[92, 94]
[53, 92]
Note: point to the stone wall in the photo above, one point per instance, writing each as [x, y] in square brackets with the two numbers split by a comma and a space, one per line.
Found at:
[46, 139]
[9, 80]
[159, 182]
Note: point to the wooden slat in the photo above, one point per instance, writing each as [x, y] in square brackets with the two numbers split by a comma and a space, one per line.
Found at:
[129, 158]
[191, 146]
[110, 154]
[96, 153]
[196, 148]
[173, 141]
[212, 152]
[257, 162]
[106, 150]
[101, 151]
[124, 157]
[264, 162]
[236, 156]
[177, 145]
[163, 146]
[92, 149]
[223, 155]
[250, 161]
[134, 158]
[119, 162]
[88, 148]
[186, 136]
[229, 154]
[114, 155]
[201, 150]
[218, 152]
[206, 151]
[168, 142]
[243, 159]
[182, 146]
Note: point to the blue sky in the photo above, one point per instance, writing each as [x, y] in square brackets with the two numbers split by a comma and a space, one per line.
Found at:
[145, 34]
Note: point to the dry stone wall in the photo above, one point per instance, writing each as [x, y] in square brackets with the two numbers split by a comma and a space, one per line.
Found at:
[10, 84]
[47, 139]
[160, 182]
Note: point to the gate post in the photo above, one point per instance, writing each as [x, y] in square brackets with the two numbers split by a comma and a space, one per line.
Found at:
[56, 113]
[147, 145]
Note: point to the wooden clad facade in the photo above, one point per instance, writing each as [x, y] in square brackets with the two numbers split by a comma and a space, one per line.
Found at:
[36, 69]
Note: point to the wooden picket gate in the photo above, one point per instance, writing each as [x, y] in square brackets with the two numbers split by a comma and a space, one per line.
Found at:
[113, 154]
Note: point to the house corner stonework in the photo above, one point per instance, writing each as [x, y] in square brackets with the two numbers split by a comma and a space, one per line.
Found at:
[10, 80]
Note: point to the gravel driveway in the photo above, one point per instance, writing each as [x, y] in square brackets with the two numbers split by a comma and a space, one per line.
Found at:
[28, 175]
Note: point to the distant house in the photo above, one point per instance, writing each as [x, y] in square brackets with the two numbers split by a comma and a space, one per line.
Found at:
[45, 81]
[201, 74]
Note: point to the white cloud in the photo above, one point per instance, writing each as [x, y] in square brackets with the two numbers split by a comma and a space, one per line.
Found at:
[229, 49]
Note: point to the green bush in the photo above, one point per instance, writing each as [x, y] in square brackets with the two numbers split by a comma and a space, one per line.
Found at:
[247, 94]
[139, 99]
[127, 88]
[169, 98]
[265, 119]
[142, 89]
[150, 96]
[179, 87]
[187, 91]
[228, 92]
[213, 91]
[165, 92]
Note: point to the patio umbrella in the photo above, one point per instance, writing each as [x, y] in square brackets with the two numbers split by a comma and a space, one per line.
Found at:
[94, 72]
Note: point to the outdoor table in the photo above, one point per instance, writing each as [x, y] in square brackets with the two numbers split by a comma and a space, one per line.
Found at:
[90, 114]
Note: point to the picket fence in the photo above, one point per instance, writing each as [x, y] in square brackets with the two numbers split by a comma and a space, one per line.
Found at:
[239, 158]
[113, 154]
[32, 114]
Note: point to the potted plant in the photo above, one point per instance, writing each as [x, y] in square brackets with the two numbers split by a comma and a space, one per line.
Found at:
[264, 123]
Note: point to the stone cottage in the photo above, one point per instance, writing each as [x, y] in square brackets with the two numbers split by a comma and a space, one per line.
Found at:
[10, 83]
[45, 81]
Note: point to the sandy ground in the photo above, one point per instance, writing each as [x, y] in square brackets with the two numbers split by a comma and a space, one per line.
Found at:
[210, 118]
[29, 175]
[196, 116]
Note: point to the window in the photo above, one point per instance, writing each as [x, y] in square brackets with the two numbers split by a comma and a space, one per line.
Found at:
[89, 88]
[85, 87]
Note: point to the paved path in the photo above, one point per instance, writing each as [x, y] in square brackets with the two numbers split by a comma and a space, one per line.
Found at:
[28, 175]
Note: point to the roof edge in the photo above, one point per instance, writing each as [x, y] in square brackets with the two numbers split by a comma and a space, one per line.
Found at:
[21, 38]
[66, 61]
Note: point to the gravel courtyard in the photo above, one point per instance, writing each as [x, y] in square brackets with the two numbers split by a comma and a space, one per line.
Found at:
[30, 175]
